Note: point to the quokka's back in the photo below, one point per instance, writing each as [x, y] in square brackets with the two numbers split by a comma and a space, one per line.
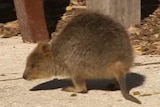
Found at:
[93, 41]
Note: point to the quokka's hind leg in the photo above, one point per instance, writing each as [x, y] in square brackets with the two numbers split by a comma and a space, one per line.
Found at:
[120, 73]
[113, 85]
[79, 86]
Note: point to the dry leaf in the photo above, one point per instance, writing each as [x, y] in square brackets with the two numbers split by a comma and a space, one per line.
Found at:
[69, 8]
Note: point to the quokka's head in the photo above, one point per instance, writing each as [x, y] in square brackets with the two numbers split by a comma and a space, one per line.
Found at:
[39, 62]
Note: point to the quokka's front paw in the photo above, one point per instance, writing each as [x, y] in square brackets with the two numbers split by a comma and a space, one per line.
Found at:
[73, 89]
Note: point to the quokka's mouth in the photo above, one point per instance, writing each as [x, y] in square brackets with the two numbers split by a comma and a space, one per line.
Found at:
[28, 78]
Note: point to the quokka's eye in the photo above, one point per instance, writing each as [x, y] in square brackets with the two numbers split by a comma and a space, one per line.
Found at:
[33, 65]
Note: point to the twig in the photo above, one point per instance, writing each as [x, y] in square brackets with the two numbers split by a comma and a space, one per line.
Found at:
[79, 7]
[140, 64]
[11, 79]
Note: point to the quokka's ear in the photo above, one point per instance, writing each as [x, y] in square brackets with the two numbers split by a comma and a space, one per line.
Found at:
[44, 47]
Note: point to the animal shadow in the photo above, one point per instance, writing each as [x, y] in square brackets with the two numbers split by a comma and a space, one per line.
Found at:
[132, 79]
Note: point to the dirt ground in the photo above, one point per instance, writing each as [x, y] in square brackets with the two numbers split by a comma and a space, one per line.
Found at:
[143, 83]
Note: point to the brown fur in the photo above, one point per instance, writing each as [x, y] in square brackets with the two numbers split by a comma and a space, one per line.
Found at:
[91, 46]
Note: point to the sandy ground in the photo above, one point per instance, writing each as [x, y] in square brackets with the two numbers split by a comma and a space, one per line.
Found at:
[143, 81]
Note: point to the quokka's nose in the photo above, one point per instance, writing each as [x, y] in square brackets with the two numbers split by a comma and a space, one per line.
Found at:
[24, 77]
